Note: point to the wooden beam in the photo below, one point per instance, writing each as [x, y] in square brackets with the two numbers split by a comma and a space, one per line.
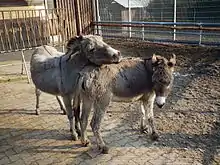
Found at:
[78, 17]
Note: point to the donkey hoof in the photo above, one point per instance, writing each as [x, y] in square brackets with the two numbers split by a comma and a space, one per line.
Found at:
[105, 150]
[64, 112]
[74, 137]
[85, 143]
[154, 136]
[78, 132]
[144, 130]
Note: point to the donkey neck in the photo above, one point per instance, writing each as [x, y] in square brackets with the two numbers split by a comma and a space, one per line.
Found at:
[133, 81]
[70, 69]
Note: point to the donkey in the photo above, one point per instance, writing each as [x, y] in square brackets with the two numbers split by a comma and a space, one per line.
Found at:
[54, 53]
[130, 80]
[59, 75]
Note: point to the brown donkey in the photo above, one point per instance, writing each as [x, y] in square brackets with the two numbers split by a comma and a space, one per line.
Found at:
[130, 80]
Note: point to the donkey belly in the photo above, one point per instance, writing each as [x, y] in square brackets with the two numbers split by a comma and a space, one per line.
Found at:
[47, 81]
[126, 99]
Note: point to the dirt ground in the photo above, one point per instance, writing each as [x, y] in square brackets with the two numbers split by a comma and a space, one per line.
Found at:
[189, 123]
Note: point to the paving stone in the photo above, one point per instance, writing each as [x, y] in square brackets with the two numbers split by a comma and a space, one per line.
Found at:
[18, 162]
[5, 160]
[14, 158]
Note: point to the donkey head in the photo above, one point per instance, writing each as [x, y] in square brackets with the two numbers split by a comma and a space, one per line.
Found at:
[94, 49]
[162, 77]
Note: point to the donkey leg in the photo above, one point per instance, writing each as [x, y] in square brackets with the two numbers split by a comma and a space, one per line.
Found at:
[59, 99]
[143, 118]
[70, 114]
[148, 105]
[37, 93]
[99, 112]
[95, 124]
[86, 109]
[77, 119]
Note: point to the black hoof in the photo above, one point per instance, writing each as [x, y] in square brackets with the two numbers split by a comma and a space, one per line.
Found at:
[37, 113]
[105, 150]
[144, 130]
[154, 136]
[86, 143]
[74, 137]
[64, 112]
[78, 132]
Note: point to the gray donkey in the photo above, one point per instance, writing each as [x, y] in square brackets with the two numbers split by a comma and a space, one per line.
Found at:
[49, 50]
[58, 74]
[130, 80]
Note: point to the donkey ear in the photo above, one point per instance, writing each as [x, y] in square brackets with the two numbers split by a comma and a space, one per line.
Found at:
[74, 42]
[154, 58]
[172, 61]
[80, 37]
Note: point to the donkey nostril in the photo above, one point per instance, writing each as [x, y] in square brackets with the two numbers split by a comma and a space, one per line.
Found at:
[160, 105]
[114, 55]
[119, 53]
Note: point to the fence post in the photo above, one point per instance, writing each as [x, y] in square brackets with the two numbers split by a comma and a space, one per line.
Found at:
[129, 17]
[95, 16]
[99, 29]
[78, 17]
[174, 20]
[143, 32]
[200, 35]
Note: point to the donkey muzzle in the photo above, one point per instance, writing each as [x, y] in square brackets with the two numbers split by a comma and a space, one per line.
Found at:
[160, 100]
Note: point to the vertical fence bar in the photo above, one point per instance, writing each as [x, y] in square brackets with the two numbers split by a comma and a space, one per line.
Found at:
[78, 17]
[20, 28]
[68, 24]
[174, 20]
[24, 16]
[9, 46]
[200, 35]
[2, 43]
[91, 14]
[99, 29]
[42, 29]
[53, 28]
[62, 26]
[49, 26]
[129, 17]
[143, 32]
[15, 43]
[30, 17]
[38, 25]
[95, 10]
[71, 17]
[21, 38]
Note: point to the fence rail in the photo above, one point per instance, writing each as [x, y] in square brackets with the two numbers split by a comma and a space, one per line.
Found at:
[192, 33]
[182, 21]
